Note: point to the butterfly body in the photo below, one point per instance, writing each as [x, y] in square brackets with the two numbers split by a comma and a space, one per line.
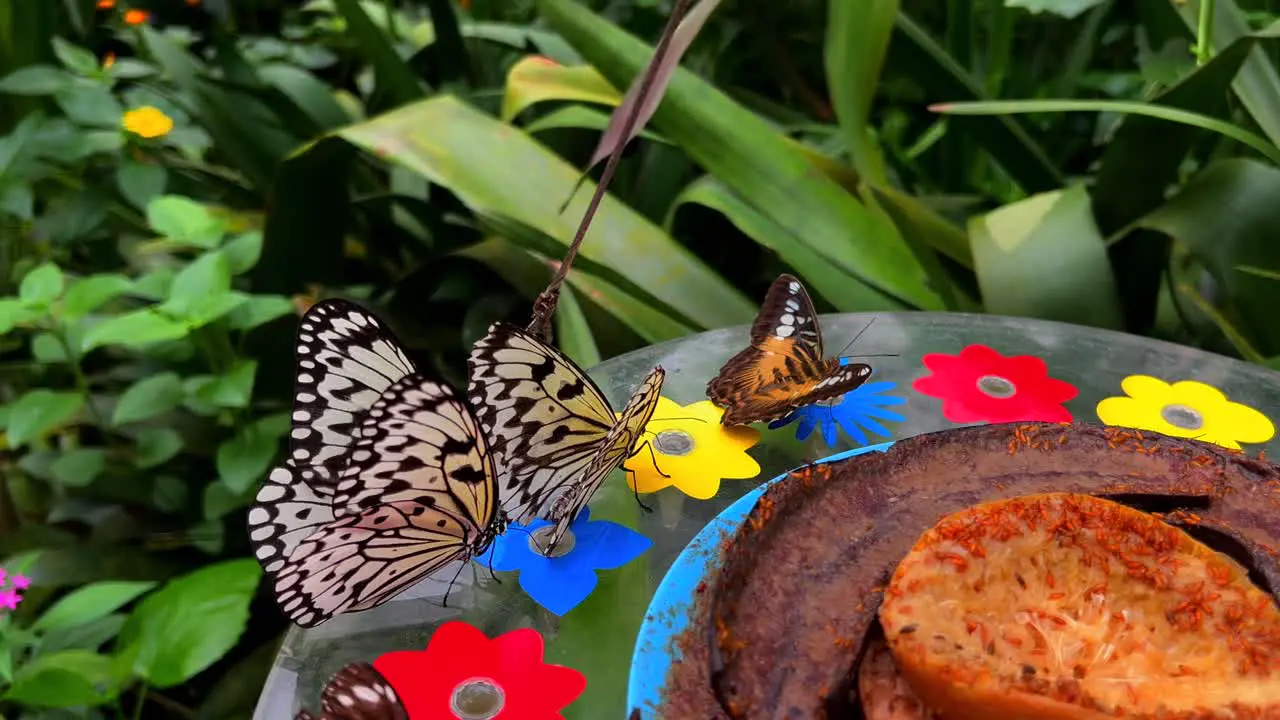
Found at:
[553, 431]
[389, 478]
[783, 368]
[358, 692]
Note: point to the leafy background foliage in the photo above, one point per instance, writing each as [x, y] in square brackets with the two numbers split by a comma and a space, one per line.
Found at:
[1099, 162]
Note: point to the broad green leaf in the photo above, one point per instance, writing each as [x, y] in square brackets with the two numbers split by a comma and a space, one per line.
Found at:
[90, 103]
[199, 287]
[184, 221]
[89, 636]
[35, 80]
[1068, 9]
[244, 459]
[64, 679]
[857, 40]
[1226, 216]
[88, 294]
[157, 446]
[1043, 257]
[1009, 107]
[42, 285]
[75, 58]
[134, 329]
[395, 79]
[572, 331]
[79, 468]
[89, 603]
[13, 314]
[533, 79]
[830, 282]
[231, 389]
[47, 348]
[243, 251]
[140, 183]
[259, 310]
[130, 69]
[456, 146]
[746, 154]
[148, 397]
[220, 500]
[190, 623]
[39, 412]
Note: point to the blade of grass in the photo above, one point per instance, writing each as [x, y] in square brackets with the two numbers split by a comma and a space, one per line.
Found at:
[857, 39]
[395, 81]
[1013, 107]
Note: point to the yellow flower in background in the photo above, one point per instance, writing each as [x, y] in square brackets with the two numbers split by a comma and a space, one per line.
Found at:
[1186, 409]
[148, 122]
[691, 450]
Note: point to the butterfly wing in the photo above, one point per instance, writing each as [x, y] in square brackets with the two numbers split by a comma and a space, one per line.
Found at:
[293, 503]
[418, 493]
[615, 449]
[543, 417]
[783, 367]
[346, 359]
[358, 692]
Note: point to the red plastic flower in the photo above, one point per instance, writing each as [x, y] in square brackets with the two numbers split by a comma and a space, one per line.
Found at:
[464, 674]
[980, 384]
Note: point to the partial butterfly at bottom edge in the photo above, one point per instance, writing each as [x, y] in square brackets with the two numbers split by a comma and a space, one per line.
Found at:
[358, 692]
[783, 368]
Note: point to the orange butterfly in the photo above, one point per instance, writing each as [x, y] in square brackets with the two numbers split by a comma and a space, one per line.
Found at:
[783, 368]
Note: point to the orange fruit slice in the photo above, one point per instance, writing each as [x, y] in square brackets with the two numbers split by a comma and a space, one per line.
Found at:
[1074, 607]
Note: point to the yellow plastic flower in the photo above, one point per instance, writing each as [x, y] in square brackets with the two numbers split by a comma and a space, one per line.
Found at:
[148, 122]
[691, 450]
[1186, 409]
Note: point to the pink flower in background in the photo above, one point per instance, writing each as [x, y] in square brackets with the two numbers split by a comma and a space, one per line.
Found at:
[10, 599]
[21, 582]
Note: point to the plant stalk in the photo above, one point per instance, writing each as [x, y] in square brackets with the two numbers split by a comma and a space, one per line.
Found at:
[1204, 32]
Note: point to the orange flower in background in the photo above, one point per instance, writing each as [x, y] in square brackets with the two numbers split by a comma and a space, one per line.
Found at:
[135, 17]
[108, 60]
[193, 3]
[106, 4]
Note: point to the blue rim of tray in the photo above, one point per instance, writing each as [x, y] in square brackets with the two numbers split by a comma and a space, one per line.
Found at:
[669, 611]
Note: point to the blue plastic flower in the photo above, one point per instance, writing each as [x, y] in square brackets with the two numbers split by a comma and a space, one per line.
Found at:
[559, 584]
[857, 413]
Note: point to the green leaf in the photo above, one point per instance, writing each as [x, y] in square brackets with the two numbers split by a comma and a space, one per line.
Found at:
[79, 468]
[753, 159]
[89, 636]
[1043, 257]
[47, 348]
[183, 220]
[170, 493]
[244, 459]
[201, 292]
[13, 314]
[75, 58]
[573, 332]
[134, 329]
[90, 103]
[395, 79]
[243, 251]
[259, 310]
[191, 622]
[130, 69]
[35, 80]
[157, 446]
[88, 294]
[39, 412]
[580, 117]
[220, 500]
[42, 285]
[89, 603]
[452, 144]
[148, 397]
[232, 389]
[64, 679]
[1006, 107]
[533, 80]
[140, 183]
[857, 40]
[1068, 9]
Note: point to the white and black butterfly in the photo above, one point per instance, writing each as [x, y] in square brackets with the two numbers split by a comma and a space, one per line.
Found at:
[555, 436]
[388, 478]
[358, 692]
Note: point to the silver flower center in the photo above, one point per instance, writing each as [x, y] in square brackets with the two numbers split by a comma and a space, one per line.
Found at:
[1181, 416]
[539, 538]
[673, 442]
[996, 387]
[477, 699]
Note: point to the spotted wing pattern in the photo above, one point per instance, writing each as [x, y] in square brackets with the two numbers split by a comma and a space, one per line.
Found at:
[544, 418]
[293, 503]
[613, 451]
[430, 501]
[346, 359]
[358, 692]
[783, 368]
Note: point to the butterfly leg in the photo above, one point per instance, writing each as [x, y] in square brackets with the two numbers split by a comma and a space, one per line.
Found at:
[449, 589]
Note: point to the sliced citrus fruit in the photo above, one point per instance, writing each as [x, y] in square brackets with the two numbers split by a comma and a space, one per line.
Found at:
[1074, 607]
[884, 693]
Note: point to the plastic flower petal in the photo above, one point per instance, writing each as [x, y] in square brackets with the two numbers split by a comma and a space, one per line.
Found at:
[856, 412]
[981, 385]
[147, 122]
[686, 446]
[562, 582]
[1186, 409]
[461, 664]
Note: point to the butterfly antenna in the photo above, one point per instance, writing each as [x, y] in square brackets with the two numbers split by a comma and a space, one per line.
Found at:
[544, 307]
[855, 337]
[654, 420]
